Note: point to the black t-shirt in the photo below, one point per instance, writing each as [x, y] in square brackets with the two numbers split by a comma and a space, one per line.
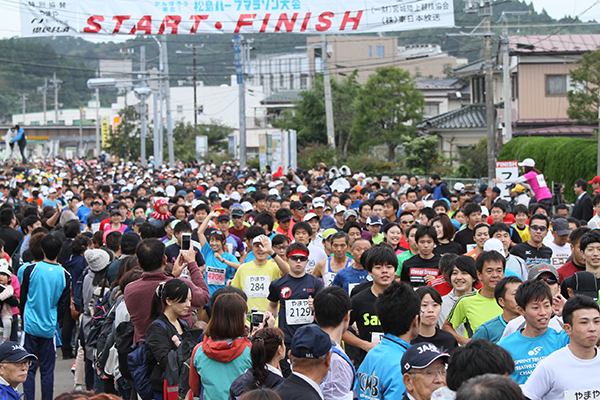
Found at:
[365, 316]
[416, 268]
[288, 290]
[464, 237]
[172, 252]
[366, 284]
[532, 255]
[12, 238]
[445, 248]
[443, 340]
[96, 218]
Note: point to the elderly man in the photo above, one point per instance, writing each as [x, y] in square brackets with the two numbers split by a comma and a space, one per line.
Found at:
[14, 364]
[423, 370]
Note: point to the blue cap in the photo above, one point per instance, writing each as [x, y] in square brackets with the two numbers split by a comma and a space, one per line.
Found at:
[14, 352]
[421, 355]
[240, 176]
[198, 193]
[310, 341]
[374, 220]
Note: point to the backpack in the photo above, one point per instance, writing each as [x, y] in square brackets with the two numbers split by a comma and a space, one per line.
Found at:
[139, 370]
[124, 343]
[99, 314]
[189, 340]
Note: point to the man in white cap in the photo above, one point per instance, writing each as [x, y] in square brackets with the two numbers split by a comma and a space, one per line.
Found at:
[318, 207]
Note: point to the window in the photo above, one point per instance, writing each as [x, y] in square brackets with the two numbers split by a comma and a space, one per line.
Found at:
[379, 52]
[369, 51]
[514, 87]
[292, 82]
[431, 109]
[180, 109]
[556, 85]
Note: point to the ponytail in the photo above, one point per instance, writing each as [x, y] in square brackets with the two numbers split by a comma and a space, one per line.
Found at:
[175, 290]
[264, 348]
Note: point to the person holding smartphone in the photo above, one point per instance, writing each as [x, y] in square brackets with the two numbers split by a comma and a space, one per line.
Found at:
[181, 231]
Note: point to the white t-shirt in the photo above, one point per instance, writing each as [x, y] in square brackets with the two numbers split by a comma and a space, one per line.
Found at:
[315, 254]
[562, 374]
[560, 254]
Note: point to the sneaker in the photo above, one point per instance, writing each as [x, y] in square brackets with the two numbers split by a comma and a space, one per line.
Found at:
[73, 366]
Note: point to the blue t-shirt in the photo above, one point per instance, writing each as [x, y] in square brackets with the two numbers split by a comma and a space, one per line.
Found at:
[349, 277]
[82, 213]
[491, 330]
[217, 273]
[528, 352]
[54, 203]
[292, 294]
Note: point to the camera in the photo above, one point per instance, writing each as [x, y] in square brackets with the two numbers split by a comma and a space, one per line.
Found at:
[256, 317]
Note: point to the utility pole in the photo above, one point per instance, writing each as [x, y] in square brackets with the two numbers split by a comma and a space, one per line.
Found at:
[56, 86]
[486, 12]
[24, 97]
[165, 57]
[43, 90]
[195, 77]
[241, 50]
[327, 87]
[81, 117]
[143, 106]
[506, 83]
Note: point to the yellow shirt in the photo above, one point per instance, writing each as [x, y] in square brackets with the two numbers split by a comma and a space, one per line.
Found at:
[254, 280]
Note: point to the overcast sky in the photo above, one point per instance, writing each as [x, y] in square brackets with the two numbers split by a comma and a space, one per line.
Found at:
[10, 25]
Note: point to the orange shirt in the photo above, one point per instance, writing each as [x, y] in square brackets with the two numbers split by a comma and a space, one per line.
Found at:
[472, 253]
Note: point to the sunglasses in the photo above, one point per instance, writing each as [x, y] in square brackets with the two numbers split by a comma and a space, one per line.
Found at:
[549, 281]
[407, 222]
[298, 258]
[538, 228]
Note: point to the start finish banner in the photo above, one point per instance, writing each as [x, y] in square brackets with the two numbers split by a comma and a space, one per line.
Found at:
[187, 17]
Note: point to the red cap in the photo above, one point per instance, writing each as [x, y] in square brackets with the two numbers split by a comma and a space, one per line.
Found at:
[595, 180]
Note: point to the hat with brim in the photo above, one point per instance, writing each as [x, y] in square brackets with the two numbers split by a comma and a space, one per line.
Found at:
[14, 352]
[421, 355]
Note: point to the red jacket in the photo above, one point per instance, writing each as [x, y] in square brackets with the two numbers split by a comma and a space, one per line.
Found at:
[138, 297]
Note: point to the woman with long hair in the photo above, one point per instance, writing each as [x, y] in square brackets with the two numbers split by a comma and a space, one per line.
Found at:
[164, 334]
[224, 353]
[268, 349]
[393, 235]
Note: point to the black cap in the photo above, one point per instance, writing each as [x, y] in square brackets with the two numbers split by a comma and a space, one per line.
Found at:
[14, 352]
[296, 205]
[223, 217]
[310, 341]
[583, 283]
[421, 355]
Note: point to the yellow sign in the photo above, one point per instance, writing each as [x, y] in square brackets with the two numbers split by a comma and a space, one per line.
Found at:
[105, 131]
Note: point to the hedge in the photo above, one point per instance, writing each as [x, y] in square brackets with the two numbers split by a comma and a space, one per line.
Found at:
[560, 159]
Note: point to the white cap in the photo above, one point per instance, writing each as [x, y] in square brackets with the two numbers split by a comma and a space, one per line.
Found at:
[247, 206]
[310, 216]
[318, 202]
[301, 189]
[278, 182]
[196, 203]
[494, 244]
[4, 267]
[459, 186]
[170, 190]
[339, 208]
[528, 162]
[274, 192]
[51, 190]
[485, 211]
[235, 196]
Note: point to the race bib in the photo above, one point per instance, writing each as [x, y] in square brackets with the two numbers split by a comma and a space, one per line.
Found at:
[417, 275]
[329, 277]
[297, 312]
[584, 394]
[215, 276]
[471, 247]
[229, 248]
[376, 337]
[352, 286]
[257, 286]
[541, 181]
[95, 227]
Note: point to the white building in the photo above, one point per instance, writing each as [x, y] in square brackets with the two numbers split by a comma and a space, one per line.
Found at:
[276, 72]
[66, 116]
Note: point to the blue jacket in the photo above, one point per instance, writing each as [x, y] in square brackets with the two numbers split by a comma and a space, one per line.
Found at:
[19, 136]
[379, 376]
[8, 392]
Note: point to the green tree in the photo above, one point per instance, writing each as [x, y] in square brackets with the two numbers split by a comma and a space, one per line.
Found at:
[125, 141]
[388, 106]
[184, 138]
[421, 153]
[473, 160]
[583, 99]
[308, 116]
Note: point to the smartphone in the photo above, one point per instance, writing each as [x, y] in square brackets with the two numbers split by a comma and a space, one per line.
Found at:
[186, 241]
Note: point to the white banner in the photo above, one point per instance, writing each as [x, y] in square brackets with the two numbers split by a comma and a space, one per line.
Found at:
[187, 17]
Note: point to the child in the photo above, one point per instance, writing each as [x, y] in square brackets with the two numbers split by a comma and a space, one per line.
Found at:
[521, 216]
[7, 293]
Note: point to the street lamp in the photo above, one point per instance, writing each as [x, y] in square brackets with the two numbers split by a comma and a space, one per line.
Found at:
[142, 93]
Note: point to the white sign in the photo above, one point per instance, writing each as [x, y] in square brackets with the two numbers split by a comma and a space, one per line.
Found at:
[506, 170]
[43, 18]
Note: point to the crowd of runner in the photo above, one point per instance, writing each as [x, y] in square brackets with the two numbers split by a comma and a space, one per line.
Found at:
[217, 283]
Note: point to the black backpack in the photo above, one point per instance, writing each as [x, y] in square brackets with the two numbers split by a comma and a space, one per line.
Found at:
[123, 342]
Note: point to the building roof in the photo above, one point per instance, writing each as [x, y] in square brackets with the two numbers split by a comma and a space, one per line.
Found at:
[582, 131]
[475, 68]
[553, 44]
[439, 84]
[284, 96]
[467, 117]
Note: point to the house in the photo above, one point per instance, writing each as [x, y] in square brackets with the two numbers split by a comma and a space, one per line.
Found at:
[539, 83]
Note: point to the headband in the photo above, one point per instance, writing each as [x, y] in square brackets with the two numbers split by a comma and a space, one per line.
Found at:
[297, 252]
